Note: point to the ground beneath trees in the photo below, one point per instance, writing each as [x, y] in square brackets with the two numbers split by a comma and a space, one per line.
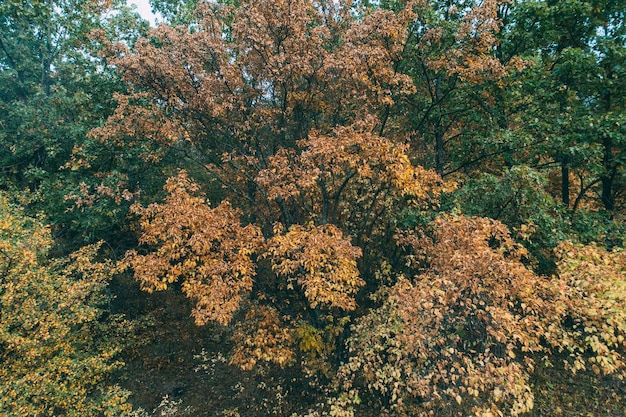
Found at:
[180, 369]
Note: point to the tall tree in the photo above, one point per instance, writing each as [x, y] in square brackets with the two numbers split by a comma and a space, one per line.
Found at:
[283, 106]
[53, 89]
[576, 95]
[461, 76]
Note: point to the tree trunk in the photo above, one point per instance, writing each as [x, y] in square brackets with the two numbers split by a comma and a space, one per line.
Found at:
[609, 174]
[439, 146]
[565, 181]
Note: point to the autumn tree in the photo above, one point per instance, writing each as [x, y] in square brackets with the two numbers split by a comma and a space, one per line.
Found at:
[463, 335]
[208, 247]
[283, 106]
[57, 348]
[291, 134]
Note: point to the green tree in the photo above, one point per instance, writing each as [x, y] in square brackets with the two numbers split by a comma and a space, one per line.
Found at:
[176, 12]
[54, 88]
[519, 199]
[575, 101]
[463, 79]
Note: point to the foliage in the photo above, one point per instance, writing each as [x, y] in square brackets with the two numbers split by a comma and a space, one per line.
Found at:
[53, 89]
[176, 12]
[57, 349]
[262, 337]
[575, 114]
[593, 279]
[463, 335]
[321, 262]
[283, 104]
[464, 83]
[290, 167]
[207, 247]
[519, 200]
[596, 226]
[452, 334]
[318, 347]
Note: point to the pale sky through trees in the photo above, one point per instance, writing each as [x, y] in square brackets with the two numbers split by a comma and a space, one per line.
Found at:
[144, 9]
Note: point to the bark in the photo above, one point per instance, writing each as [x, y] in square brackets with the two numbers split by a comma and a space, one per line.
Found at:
[565, 181]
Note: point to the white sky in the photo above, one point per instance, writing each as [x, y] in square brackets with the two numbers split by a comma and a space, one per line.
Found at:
[144, 9]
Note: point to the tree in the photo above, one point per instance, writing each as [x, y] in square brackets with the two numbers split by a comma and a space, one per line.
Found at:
[53, 90]
[208, 247]
[57, 347]
[176, 12]
[463, 335]
[284, 131]
[520, 200]
[463, 76]
[283, 104]
[575, 83]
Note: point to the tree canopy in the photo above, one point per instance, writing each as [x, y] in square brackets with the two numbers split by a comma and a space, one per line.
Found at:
[409, 207]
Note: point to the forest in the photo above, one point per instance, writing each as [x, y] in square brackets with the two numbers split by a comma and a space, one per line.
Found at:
[310, 208]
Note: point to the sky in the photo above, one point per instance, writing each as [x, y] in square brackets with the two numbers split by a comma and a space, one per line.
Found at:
[144, 9]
